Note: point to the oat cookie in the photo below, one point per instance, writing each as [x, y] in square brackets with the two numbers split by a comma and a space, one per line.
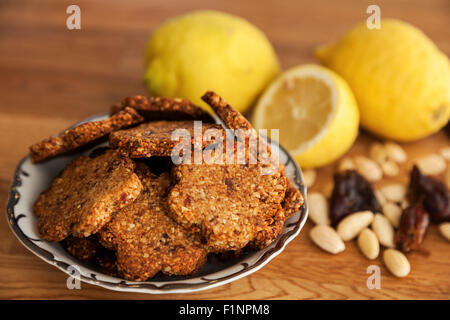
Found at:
[90, 250]
[157, 108]
[85, 195]
[155, 138]
[146, 240]
[82, 135]
[229, 206]
[293, 200]
[234, 120]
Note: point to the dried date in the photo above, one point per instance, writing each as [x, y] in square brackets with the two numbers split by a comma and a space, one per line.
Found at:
[413, 227]
[351, 193]
[432, 194]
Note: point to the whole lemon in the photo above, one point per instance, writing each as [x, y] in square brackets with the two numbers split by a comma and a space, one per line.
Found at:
[209, 50]
[399, 77]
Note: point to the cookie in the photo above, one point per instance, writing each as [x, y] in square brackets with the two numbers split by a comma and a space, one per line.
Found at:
[293, 200]
[90, 250]
[146, 240]
[85, 134]
[157, 108]
[85, 195]
[234, 120]
[229, 206]
[155, 138]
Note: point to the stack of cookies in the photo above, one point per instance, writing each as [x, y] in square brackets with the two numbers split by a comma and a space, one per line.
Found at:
[133, 212]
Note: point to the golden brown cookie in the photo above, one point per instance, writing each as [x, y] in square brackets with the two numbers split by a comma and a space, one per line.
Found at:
[82, 135]
[229, 206]
[85, 195]
[293, 200]
[155, 138]
[146, 240]
[234, 120]
[157, 108]
[90, 250]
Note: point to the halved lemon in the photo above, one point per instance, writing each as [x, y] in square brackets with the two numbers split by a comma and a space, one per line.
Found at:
[315, 112]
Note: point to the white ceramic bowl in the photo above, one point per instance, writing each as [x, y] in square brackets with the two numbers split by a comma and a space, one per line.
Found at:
[31, 179]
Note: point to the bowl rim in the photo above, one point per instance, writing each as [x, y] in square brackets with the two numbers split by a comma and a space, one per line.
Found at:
[147, 286]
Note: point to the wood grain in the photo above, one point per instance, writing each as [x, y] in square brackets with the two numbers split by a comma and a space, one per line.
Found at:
[52, 77]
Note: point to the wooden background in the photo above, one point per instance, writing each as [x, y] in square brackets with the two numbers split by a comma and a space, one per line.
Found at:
[52, 77]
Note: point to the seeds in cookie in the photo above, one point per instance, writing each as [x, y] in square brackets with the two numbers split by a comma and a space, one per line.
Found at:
[85, 196]
[229, 206]
[85, 134]
[234, 120]
[90, 250]
[159, 108]
[146, 240]
[293, 200]
[155, 138]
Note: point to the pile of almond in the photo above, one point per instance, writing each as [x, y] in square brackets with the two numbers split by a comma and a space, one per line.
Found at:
[373, 230]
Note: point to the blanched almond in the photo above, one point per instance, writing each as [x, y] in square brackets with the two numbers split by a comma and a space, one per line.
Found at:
[393, 212]
[380, 197]
[395, 192]
[327, 190]
[368, 244]
[445, 153]
[368, 168]
[390, 168]
[309, 176]
[404, 204]
[432, 164]
[378, 153]
[444, 228]
[318, 208]
[396, 262]
[353, 224]
[346, 164]
[395, 152]
[384, 230]
[327, 239]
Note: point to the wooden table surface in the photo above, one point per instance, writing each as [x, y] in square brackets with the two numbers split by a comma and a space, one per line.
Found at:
[52, 77]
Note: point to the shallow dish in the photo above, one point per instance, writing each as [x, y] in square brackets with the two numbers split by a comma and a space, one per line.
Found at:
[31, 179]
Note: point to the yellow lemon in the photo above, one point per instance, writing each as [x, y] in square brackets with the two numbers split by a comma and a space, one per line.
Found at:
[315, 112]
[209, 50]
[399, 77]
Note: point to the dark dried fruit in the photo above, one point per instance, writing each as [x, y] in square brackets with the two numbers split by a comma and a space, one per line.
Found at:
[432, 194]
[351, 193]
[413, 227]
